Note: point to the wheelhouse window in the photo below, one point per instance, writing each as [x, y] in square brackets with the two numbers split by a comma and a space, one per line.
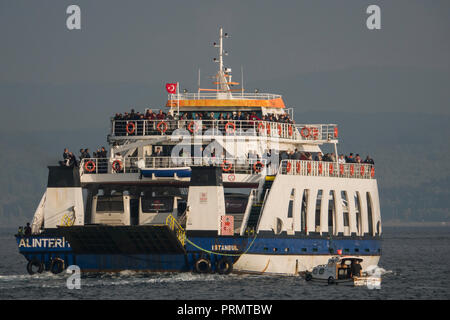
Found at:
[158, 204]
[111, 204]
[331, 212]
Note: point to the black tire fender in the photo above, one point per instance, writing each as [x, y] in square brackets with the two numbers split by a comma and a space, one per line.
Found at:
[202, 265]
[57, 265]
[224, 266]
[35, 263]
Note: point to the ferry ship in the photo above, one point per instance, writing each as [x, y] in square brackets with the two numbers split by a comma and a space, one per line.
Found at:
[210, 194]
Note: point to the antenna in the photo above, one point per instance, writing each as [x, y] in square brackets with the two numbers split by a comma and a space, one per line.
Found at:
[224, 74]
[198, 80]
[242, 80]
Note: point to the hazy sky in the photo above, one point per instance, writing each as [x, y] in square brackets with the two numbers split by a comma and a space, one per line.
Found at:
[147, 43]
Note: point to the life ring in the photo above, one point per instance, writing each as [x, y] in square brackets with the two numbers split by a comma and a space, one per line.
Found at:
[35, 263]
[298, 166]
[224, 266]
[257, 167]
[352, 169]
[372, 172]
[57, 265]
[288, 167]
[361, 170]
[227, 126]
[195, 129]
[90, 168]
[302, 132]
[341, 169]
[308, 277]
[290, 130]
[309, 167]
[114, 165]
[331, 168]
[315, 133]
[261, 127]
[320, 167]
[202, 265]
[226, 166]
[132, 129]
[268, 129]
[159, 126]
[335, 132]
[279, 130]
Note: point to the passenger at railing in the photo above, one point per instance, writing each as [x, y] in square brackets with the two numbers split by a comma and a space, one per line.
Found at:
[72, 160]
[350, 158]
[369, 160]
[341, 159]
[318, 157]
[358, 159]
[65, 161]
[86, 154]
[150, 115]
[161, 115]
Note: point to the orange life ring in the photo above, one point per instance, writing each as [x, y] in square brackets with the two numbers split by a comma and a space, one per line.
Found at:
[229, 166]
[268, 129]
[372, 172]
[290, 130]
[320, 168]
[260, 127]
[133, 127]
[302, 132]
[299, 166]
[92, 167]
[288, 167]
[279, 130]
[361, 170]
[195, 129]
[159, 127]
[331, 168]
[341, 169]
[315, 133]
[352, 169]
[114, 165]
[227, 126]
[335, 132]
[258, 166]
[309, 167]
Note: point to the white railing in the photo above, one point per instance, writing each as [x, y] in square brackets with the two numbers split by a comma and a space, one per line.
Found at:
[133, 164]
[327, 169]
[133, 128]
[314, 132]
[220, 95]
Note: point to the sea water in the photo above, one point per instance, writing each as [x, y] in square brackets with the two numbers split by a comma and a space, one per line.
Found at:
[415, 263]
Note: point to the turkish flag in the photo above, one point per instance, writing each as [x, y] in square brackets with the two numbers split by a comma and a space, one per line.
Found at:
[171, 87]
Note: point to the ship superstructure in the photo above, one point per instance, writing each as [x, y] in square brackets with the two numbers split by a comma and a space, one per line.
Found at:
[224, 182]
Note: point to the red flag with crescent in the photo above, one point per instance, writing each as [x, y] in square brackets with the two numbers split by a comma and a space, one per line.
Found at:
[171, 87]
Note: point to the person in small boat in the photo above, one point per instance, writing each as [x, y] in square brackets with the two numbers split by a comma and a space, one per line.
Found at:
[356, 269]
[28, 230]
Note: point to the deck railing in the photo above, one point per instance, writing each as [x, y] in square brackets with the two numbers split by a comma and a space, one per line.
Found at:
[133, 164]
[221, 95]
[327, 169]
[135, 128]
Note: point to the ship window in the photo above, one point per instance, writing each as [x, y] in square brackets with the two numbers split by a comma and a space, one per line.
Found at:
[346, 222]
[358, 212]
[356, 250]
[303, 214]
[290, 208]
[331, 213]
[345, 213]
[369, 213]
[109, 204]
[318, 204]
[321, 270]
[304, 249]
[315, 249]
[159, 204]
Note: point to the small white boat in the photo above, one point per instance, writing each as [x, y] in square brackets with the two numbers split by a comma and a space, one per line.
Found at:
[339, 270]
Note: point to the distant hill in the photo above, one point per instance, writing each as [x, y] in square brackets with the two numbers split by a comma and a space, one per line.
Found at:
[411, 153]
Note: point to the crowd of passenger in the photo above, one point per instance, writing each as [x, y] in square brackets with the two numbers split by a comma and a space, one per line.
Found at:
[224, 116]
[70, 160]
[327, 157]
